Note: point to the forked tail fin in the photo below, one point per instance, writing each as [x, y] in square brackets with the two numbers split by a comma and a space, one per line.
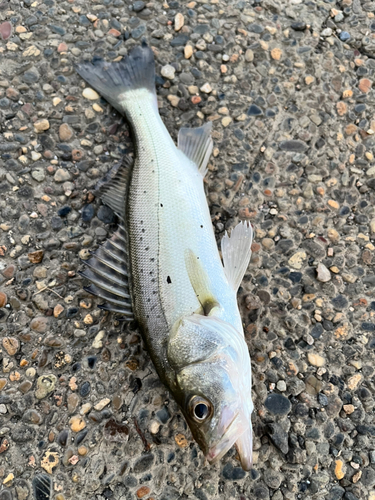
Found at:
[115, 81]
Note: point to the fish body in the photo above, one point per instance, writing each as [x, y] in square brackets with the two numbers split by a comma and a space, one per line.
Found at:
[177, 288]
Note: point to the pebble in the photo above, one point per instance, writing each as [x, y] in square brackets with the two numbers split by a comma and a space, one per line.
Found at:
[315, 359]
[90, 94]
[206, 88]
[41, 126]
[168, 71]
[277, 404]
[3, 299]
[77, 423]
[45, 385]
[179, 21]
[62, 175]
[65, 132]
[323, 273]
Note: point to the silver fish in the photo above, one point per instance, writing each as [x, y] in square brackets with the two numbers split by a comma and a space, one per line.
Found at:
[163, 268]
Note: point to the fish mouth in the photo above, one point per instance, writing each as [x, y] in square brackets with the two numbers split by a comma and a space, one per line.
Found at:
[238, 433]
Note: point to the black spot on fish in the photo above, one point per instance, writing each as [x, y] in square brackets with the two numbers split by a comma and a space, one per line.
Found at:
[201, 226]
[169, 279]
[161, 204]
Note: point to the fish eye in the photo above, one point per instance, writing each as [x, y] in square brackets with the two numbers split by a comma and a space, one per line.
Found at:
[200, 408]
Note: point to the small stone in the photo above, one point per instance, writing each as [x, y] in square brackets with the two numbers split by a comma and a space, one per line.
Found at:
[326, 32]
[58, 310]
[3, 299]
[62, 175]
[206, 88]
[323, 273]
[348, 409]
[143, 491]
[65, 132]
[39, 324]
[281, 386]
[77, 423]
[90, 94]
[227, 120]
[103, 403]
[3, 383]
[276, 54]
[179, 21]
[354, 381]
[249, 55]
[339, 469]
[11, 345]
[188, 51]
[277, 404]
[341, 108]
[5, 30]
[36, 257]
[315, 359]
[49, 461]
[45, 385]
[344, 36]
[333, 235]
[41, 125]
[168, 71]
[297, 259]
[181, 441]
[365, 85]
[333, 204]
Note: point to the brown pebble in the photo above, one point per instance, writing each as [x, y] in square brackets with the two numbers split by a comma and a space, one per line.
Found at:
[4, 445]
[114, 32]
[3, 383]
[181, 440]
[365, 85]
[62, 47]
[77, 423]
[39, 324]
[9, 271]
[36, 257]
[65, 132]
[77, 154]
[82, 450]
[5, 30]
[58, 310]
[3, 299]
[341, 108]
[143, 491]
[11, 345]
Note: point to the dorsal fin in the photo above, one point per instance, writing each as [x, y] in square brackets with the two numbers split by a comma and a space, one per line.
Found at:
[113, 188]
[236, 252]
[196, 144]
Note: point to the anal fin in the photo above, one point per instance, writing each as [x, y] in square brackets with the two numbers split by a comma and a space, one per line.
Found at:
[196, 144]
[236, 252]
[108, 272]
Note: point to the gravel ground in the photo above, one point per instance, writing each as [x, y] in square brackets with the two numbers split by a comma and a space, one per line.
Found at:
[288, 86]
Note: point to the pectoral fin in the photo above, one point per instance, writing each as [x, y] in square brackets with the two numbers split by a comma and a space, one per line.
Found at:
[236, 252]
[197, 144]
[200, 282]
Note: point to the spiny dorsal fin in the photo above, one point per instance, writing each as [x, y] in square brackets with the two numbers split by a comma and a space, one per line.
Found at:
[113, 188]
[197, 145]
[236, 252]
[108, 272]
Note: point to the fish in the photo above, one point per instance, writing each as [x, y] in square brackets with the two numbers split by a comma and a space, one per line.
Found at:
[162, 266]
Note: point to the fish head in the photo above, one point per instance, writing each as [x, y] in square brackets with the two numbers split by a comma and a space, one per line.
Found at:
[213, 385]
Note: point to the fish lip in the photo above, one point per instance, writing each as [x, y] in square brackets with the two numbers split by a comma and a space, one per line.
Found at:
[218, 450]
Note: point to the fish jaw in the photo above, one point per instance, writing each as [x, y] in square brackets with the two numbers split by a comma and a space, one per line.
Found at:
[244, 447]
[238, 433]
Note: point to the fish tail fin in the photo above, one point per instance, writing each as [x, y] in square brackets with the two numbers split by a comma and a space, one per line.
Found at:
[118, 81]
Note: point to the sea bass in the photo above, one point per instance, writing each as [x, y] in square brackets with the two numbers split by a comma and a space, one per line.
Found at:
[162, 267]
